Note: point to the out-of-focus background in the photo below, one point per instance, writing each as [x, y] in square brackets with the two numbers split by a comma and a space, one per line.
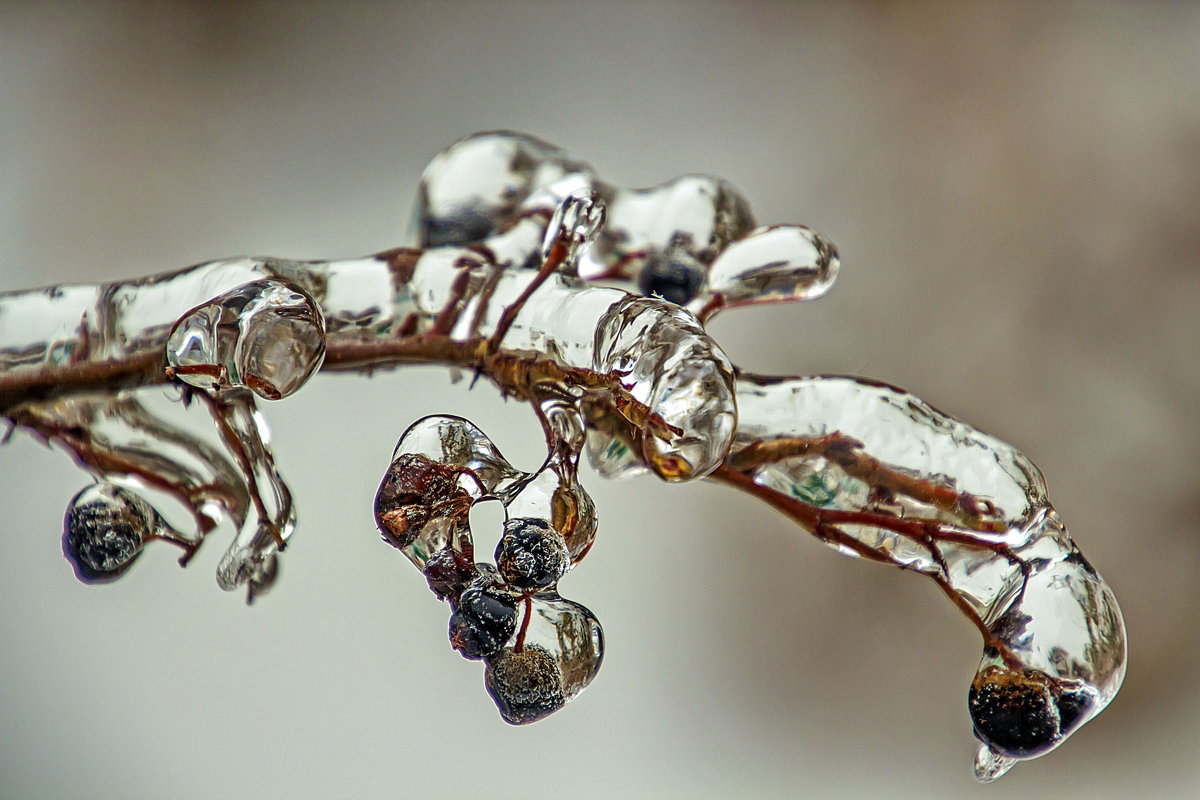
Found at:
[1015, 189]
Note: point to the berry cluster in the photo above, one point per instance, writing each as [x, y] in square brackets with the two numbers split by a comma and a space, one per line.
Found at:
[539, 649]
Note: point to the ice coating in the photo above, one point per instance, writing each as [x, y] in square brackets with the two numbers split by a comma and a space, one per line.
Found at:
[120, 437]
[691, 240]
[769, 265]
[441, 466]
[105, 528]
[674, 370]
[891, 478]
[252, 559]
[480, 184]
[266, 335]
[509, 224]
[556, 654]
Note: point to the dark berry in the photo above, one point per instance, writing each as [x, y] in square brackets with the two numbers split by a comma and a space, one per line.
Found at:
[413, 486]
[448, 572]
[672, 278]
[1018, 714]
[104, 531]
[531, 554]
[466, 226]
[526, 685]
[483, 620]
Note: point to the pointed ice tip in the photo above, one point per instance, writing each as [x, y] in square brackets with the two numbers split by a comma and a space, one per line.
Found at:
[990, 765]
[576, 222]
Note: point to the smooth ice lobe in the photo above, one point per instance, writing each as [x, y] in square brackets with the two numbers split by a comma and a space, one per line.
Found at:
[268, 336]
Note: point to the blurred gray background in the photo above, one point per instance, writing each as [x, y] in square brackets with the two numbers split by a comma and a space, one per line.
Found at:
[1015, 189]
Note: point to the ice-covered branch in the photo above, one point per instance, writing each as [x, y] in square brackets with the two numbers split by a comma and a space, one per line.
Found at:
[517, 280]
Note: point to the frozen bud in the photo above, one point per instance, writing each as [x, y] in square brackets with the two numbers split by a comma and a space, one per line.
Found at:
[448, 572]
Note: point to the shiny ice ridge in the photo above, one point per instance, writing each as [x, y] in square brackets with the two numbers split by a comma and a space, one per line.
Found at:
[522, 249]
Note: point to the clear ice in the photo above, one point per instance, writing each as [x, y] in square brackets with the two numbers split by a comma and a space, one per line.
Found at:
[267, 335]
[541, 650]
[894, 479]
[589, 302]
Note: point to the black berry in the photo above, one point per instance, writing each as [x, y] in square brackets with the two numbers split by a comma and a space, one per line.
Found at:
[531, 554]
[526, 685]
[671, 278]
[484, 618]
[104, 531]
[1023, 714]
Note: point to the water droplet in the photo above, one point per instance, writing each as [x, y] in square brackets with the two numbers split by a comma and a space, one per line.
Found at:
[268, 336]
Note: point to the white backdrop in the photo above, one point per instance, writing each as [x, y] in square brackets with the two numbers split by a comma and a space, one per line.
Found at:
[1014, 191]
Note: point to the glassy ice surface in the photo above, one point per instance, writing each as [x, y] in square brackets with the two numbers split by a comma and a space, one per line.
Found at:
[105, 528]
[890, 476]
[768, 265]
[267, 336]
[1057, 651]
[251, 560]
[480, 184]
[441, 466]
[119, 436]
[553, 657]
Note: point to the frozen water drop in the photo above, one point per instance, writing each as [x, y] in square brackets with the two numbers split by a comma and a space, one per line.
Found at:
[526, 684]
[695, 216]
[251, 558]
[105, 529]
[781, 262]
[680, 375]
[575, 225]
[554, 495]
[482, 184]
[440, 467]
[990, 765]
[555, 654]
[268, 336]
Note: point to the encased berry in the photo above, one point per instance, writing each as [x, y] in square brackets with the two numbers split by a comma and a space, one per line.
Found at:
[671, 278]
[413, 488]
[531, 554]
[526, 685]
[483, 619]
[104, 531]
[448, 572]
[1023, 714]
